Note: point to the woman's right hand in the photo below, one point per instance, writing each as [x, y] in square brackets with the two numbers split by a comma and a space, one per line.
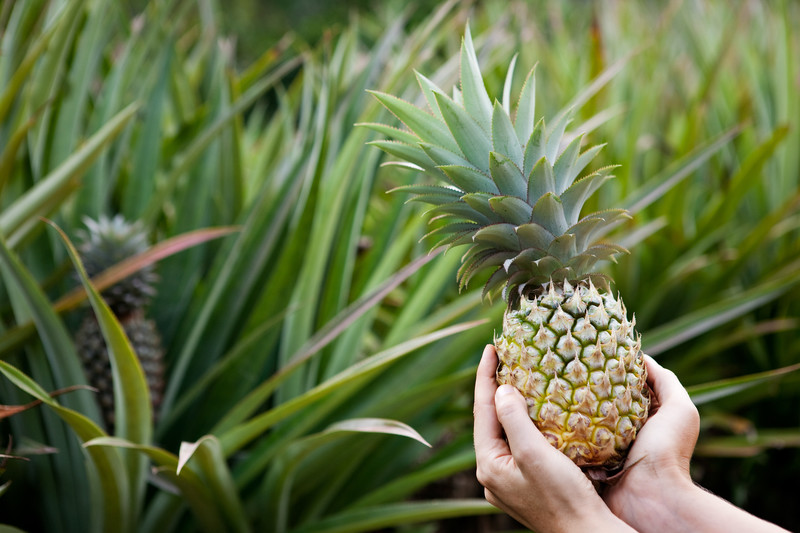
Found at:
[658, 462]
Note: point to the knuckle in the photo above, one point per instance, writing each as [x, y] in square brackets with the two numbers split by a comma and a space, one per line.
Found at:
[693, 415]
[487, 477]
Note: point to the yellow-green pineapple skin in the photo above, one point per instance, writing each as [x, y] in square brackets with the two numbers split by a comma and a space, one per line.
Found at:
[577, 360]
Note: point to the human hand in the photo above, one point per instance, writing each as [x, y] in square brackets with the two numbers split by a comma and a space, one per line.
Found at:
[658, 462]
[523, 474]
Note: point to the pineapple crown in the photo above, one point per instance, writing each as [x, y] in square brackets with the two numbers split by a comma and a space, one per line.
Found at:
[106, 242]
[512, 192]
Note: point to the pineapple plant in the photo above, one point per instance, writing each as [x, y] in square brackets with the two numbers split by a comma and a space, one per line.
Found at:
[513, 195]
[106, 242]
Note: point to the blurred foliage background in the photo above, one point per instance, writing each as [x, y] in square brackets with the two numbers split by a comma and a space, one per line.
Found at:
[310, 335]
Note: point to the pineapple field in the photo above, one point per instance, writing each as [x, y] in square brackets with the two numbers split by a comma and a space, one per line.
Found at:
[247, 269]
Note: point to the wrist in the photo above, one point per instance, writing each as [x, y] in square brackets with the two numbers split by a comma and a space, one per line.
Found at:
[597, 519]
[647, 498]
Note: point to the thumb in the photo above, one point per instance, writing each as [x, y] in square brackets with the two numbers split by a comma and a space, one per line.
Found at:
[512, 412]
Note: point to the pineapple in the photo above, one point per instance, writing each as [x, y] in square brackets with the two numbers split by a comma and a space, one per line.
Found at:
[105, 243]
[513, 197]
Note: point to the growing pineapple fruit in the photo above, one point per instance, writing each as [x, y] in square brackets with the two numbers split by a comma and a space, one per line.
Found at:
[513, 197]
[106, 242]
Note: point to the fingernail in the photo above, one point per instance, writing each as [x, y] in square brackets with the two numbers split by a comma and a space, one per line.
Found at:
[505, 390]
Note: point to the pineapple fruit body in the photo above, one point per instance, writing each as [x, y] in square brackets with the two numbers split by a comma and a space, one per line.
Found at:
[146, 342]
[577, 360]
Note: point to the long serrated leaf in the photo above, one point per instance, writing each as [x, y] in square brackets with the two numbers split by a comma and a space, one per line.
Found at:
[199, 144]
[565, 167]
[214, 470]
[383, 516]
[548, 212]
[238, 436]
[423, 190]
[675, 173]
[133, 413]
[502, 235]
[428, 90]
[410, 483]
[723, 206]
[16, 336]
[534, 235]
[509, 81]
[748, 445]
[390, 131]
[411, 153]
[709, 392]
[22, 73]
[563, 247]
[476, 98]
[194, 489]
[377, 425]
[507, 176]
[452, 228]
[592, 227]
[479, 202]
[526, 107]
[63, 361]
[425, 126]
[148, 153]
[469, 179]
[460, 211]
[541, 180]
[511, 209]
[442, 157]
[111, 471]
[534, 148]
[322, 338]
[472, 140]
[576, 195]
[554, 135]
[711, 316]
[54, 184]
[504, 139]
[600, 81]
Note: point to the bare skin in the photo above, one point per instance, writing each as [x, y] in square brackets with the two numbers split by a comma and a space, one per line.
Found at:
[541, 488]
[525, 476]
[657, 492]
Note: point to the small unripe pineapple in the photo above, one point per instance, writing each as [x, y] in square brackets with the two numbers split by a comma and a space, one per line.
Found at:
[106, 242]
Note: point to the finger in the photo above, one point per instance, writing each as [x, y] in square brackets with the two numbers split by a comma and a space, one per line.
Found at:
[512, 412]
[664, 382]
[497, 502]
[488, 432]
[674, 402]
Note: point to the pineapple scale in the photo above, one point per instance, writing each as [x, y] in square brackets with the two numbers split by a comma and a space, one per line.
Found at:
[577, 360]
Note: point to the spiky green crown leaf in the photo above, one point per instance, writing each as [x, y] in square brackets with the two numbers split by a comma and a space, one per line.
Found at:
[106, 242]
[512, 191]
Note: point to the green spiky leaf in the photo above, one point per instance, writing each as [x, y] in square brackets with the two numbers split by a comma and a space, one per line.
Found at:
[511, 208]
[504, 138]
[472, 140]
[507, 176]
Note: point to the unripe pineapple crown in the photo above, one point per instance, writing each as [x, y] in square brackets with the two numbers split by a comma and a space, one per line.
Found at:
[106, 242]
[512, 191]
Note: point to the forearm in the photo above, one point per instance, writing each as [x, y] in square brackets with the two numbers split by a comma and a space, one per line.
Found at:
[687, 507]
[596, 521]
